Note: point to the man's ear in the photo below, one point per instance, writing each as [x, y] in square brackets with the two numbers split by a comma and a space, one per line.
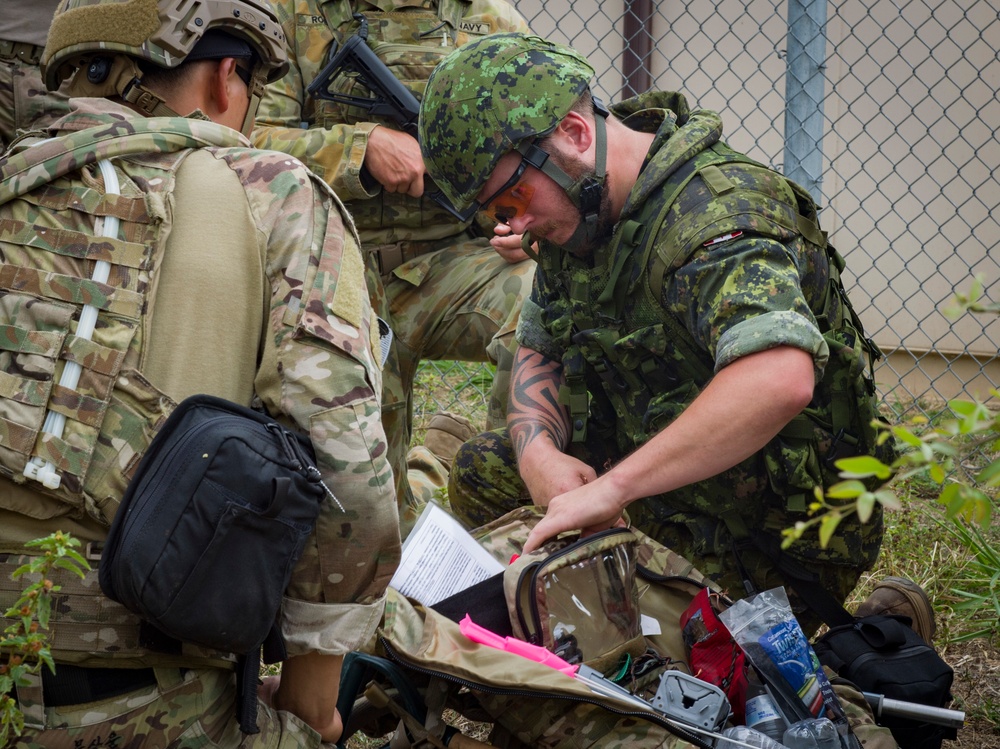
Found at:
[577, 131]
[222, 77]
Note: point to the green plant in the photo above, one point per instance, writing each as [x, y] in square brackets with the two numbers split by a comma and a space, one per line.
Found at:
[957, 456]
[25, 642]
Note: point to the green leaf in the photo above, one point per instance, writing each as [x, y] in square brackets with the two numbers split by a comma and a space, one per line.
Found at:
[962, 407]
[936, 472]
[846, 489]
[904, 434]
[866, 504]
[888, 499]
[983, 513]
[64, 563]
[990, 475]
[827, 526]
[43, 616]
[944, 448]
[45, 656]
[862, 465]
[791, 535]
[78, 558]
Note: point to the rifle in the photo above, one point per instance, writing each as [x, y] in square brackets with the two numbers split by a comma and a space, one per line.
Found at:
[390, 98]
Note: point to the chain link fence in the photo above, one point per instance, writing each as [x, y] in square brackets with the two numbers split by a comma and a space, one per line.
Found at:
[885, 110]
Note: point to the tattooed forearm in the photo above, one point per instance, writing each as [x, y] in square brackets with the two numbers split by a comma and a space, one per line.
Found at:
[535, 411]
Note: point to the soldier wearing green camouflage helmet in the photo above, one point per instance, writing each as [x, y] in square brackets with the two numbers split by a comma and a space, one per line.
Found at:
[687, 352]
[435, 279]
[208, 267]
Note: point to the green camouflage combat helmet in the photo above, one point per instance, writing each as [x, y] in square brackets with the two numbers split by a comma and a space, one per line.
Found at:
[104, 39]
[499, 94]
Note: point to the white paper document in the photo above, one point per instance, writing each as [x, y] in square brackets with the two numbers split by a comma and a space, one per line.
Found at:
[441, 558]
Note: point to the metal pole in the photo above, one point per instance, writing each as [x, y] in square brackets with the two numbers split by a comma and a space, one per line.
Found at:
[636, 76]
[804, 94]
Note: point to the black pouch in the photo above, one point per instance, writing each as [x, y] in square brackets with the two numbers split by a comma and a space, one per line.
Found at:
[209, 530]
[883, 655]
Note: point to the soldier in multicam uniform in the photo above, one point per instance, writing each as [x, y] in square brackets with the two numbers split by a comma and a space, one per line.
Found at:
[687, 351]
[24, 100]
[434, 279]
[235, 273]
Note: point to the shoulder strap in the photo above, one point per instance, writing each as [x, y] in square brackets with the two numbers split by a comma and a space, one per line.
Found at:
[705, 164]
[48, 160]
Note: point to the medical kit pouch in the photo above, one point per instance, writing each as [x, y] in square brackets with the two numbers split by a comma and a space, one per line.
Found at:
[713, 654]
[209, 530]
[578, 599]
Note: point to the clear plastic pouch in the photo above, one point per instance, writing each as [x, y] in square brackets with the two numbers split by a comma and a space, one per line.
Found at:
[579, 601]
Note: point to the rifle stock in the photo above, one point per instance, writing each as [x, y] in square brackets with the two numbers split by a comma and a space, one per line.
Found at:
[390, 98]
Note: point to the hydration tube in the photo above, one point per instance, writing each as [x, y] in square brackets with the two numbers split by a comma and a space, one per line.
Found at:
[37, 468]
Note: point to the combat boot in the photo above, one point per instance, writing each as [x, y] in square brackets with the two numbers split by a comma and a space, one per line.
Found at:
[897, 595]
[446, 433]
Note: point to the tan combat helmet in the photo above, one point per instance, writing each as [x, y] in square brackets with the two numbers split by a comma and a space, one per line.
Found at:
[99, 43]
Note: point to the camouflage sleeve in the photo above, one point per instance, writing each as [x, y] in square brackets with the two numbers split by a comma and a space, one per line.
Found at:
[745, 296]
[286, 120]
[501, 16]
[319, 372]
[289, 119]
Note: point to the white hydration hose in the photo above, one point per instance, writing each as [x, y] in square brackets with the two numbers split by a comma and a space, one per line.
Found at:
[38, 469]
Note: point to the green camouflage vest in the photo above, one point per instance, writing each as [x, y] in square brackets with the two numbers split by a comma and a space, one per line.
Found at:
[410, 42]
[54, 202]
[631, 367]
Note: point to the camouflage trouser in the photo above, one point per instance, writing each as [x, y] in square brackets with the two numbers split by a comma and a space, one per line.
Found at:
[484, 484]
[428, 478]
[186, 708]
[24, 101]
[457, 303]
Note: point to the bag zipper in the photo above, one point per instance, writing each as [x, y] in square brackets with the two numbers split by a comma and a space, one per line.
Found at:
[652, 716]
[655, 577]
[862, 660]
[302, 463]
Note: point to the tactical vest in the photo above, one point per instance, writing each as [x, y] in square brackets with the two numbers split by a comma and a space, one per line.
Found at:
[630, 367]
[55, 205]
[411, 42]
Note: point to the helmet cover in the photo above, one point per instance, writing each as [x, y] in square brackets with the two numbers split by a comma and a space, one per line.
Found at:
[162, 32]
[486, 98]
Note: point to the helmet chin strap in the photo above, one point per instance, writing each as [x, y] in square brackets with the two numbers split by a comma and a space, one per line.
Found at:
[118, 75]
[585, 192]
[256, 91]
[526, 242]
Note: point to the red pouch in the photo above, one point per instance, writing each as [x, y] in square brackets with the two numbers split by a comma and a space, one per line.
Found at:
[713, 654]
